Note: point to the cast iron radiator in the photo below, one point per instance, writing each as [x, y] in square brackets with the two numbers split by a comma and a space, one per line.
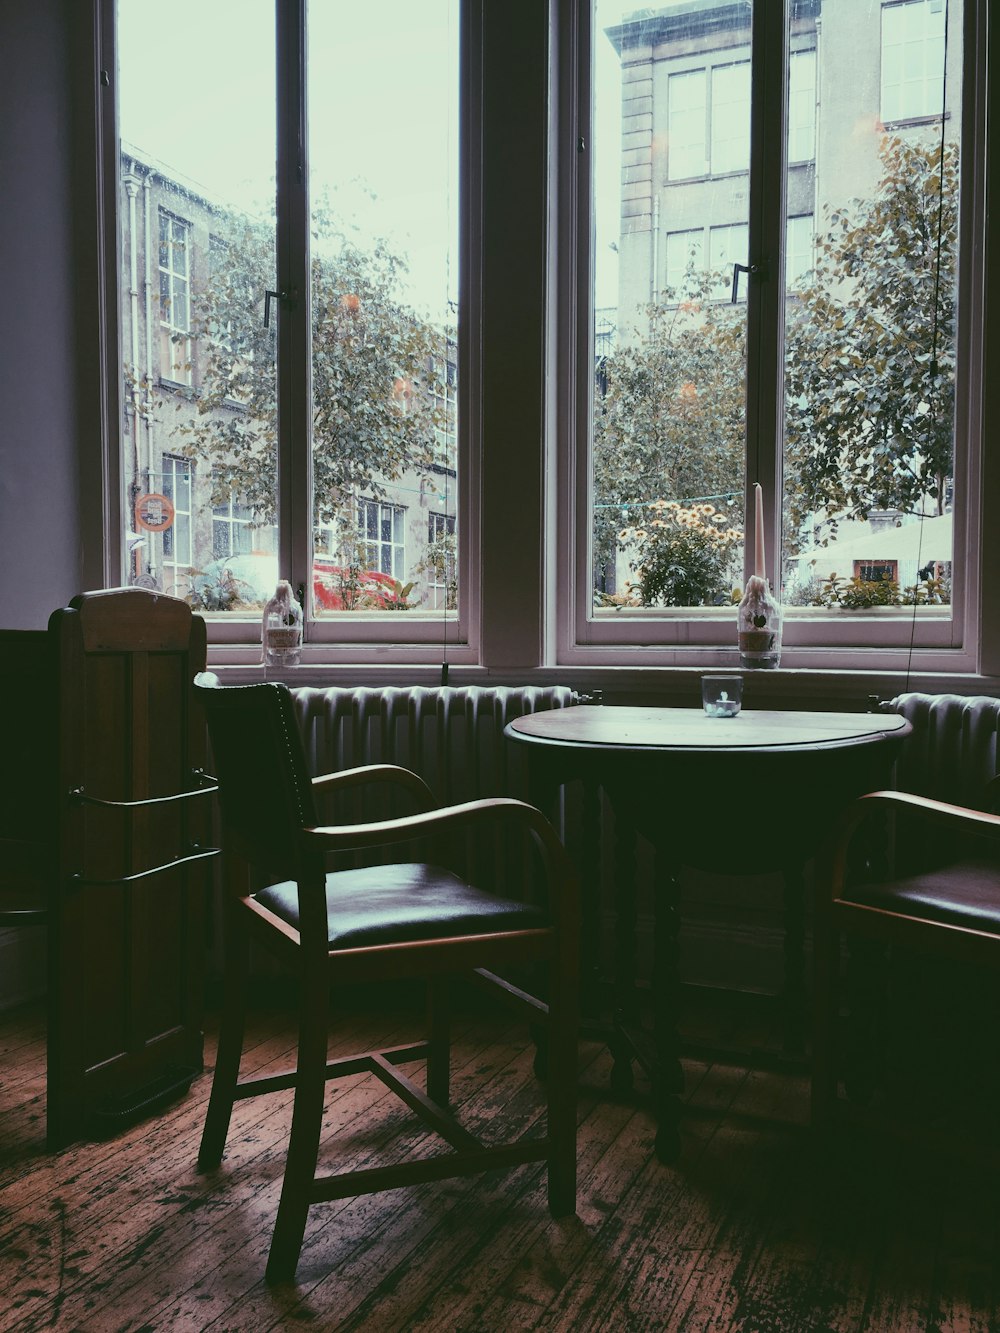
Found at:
[451, 735]
[951, 753]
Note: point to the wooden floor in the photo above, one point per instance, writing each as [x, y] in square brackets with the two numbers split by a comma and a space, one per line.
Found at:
[751, 1231]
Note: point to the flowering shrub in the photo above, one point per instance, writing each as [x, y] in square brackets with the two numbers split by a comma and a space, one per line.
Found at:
[857, 594]
[687, 555]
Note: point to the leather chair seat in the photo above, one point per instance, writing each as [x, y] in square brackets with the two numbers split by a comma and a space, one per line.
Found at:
[966, 893]
[394, 904]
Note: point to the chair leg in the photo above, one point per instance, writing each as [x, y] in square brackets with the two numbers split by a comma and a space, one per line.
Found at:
[561, 1083]
[229, 1053]
[303, 1141]
[439, 1040]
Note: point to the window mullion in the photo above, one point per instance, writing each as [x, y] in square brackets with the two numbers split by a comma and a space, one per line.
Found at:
[294, 359]
[765, 293]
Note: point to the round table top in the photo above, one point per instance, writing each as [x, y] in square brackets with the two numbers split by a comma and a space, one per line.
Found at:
[689, 729]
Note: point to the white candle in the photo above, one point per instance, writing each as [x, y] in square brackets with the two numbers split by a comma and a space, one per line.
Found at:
[758, 550]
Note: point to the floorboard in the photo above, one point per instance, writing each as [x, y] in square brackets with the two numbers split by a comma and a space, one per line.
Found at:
[757, 1229]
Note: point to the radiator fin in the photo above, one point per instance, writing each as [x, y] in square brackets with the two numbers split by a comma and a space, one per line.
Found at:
[951, 753]
[451, 735]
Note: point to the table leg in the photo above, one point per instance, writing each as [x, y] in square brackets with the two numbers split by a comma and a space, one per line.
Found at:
[626, 1002]
[666, 1074]
[590, 901]
[794, 991]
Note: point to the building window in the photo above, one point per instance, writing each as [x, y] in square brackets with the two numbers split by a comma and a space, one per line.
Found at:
[684, 263]
[381, 537]
[802, 106]
[687, 102]
[727, 246]
[709, 121]
[876, 571]
[176, 485]
[175, 299]
[913, 47]
[686, 269]
[730, 118]
[799, 248]
[440, 571]
[236, 531]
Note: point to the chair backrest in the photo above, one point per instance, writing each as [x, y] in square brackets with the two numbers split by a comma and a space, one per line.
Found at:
[265, 793]
[126, 938]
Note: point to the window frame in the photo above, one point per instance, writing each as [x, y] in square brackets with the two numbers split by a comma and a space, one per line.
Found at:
[944, 639]
[174, 334]
[168, 486]
[364, 636]
[529, 636]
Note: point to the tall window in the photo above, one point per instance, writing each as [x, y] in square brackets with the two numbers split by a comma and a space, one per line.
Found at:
[442, 574]
[802, 106]
[382, 537]
[175, 299]
[860, 438]
[912, 59]
[176, 485]
[327, 368]
[687, 111]
[730, 121]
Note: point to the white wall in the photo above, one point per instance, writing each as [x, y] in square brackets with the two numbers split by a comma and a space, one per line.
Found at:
[40, 527]
[40, 530]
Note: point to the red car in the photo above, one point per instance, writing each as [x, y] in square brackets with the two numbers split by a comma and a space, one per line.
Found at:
[339, 589]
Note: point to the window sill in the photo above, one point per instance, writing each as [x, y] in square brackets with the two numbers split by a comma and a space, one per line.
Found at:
[848, 688]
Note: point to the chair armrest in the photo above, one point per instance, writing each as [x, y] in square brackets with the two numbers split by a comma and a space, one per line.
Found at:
[448, 818]
[958, 817]
[451, 819]
[375, 773]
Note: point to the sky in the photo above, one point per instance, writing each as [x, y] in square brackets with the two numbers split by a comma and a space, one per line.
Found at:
[196, 88]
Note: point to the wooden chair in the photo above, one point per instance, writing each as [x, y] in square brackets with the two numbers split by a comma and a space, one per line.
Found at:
[950, 909]
[374, 923]
[102, 843]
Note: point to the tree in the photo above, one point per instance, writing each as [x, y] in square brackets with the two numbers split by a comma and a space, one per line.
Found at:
[669, 413]
[870, 369]
[377, 373]
[870, 339]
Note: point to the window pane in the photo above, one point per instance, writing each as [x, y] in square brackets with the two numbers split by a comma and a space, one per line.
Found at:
[384, 227]
[684, 264]
[731, 118]
[197, 211]
[686, 126]
[912, 59]
[870, 326]
[667, 456]
[802, 106]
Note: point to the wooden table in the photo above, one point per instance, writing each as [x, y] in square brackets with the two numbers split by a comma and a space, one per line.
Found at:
[746, 795]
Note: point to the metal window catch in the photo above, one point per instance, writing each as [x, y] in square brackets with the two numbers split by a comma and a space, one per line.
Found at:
[268, 295]
[752, 270]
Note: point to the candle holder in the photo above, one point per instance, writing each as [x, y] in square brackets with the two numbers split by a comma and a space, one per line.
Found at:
[759, 626]
[721, 696]
[281, 628]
